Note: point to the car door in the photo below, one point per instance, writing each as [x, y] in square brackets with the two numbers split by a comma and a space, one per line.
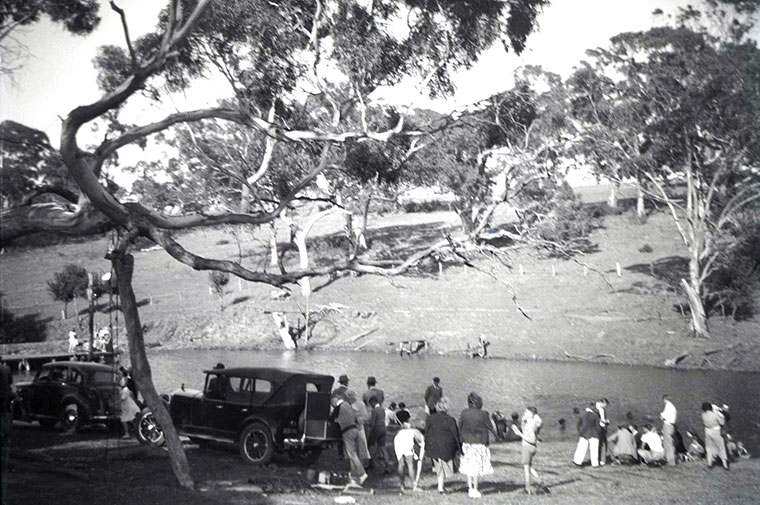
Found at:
[39, 390]
[237, 406]
[213, 406]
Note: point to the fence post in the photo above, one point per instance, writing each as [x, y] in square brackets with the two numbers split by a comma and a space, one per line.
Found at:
[554, 271]
[585, 271]
[522, 270]
[619, 270]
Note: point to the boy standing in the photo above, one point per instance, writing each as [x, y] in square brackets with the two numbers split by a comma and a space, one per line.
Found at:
[403, 444]
[531, 423]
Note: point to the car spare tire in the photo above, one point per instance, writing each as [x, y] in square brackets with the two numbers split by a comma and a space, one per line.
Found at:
[147, 430]
[256, 444]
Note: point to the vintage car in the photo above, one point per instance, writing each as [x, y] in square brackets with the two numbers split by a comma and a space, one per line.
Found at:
[71, 393]
[262, 410]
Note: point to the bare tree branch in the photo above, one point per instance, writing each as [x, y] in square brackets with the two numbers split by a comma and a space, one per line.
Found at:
[124, 25]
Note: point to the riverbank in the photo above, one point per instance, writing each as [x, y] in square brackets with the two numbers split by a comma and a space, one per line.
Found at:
[585, 310]
[91, 467]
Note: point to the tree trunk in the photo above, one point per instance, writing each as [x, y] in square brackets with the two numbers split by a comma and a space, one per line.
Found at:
[641, 212]
[612, 199]
[693, 288]
[124, 267]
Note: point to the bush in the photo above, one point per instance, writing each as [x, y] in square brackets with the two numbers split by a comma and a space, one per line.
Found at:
[218, 280]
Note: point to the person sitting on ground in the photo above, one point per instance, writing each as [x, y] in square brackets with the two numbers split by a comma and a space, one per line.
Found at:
[373, 391]
[696, 447]
[390, 415]
[404, 444]
[652, 450]
[624, 446]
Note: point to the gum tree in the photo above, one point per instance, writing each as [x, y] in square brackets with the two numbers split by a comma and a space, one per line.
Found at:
[264, 49]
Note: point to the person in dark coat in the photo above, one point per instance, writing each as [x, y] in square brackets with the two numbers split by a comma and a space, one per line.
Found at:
[442, 441]
[588, 436]
[433, 393]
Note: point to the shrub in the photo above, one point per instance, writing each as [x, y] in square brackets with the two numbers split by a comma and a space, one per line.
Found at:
[218, 280]
[646, 248]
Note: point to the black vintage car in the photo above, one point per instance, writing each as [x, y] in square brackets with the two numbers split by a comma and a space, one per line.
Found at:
[262, 410]
[71, 393]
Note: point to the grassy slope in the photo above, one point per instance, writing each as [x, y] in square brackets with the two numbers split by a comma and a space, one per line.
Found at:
[572, 314]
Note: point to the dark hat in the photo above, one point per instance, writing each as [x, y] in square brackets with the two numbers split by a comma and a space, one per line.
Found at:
[371, 380]
[403, 416]
[343, 379]
[218, 366]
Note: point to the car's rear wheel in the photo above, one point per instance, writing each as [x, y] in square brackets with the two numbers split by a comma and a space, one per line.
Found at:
[71, 417]
[147, 431]
[256, 444]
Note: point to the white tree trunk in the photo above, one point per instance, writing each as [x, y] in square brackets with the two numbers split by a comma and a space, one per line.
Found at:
[612, 199]
[283, 329]
[641, 211]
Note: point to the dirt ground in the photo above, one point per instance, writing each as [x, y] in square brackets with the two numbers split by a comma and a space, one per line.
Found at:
[95, 467]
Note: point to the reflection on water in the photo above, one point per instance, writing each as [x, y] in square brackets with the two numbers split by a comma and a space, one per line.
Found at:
[554, 388]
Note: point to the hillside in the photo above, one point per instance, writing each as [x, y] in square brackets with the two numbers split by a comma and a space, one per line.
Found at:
[575, 313]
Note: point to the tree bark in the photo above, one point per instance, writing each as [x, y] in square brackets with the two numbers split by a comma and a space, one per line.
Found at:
[693, 288]
[124, 267]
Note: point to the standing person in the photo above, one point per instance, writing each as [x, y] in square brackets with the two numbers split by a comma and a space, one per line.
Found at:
[433, 394]
[668, 416]
[403, 446]
[715, 446]
[588, 437]
[345, 416]
[376, 433]
[652, 451]
[474, 426]
[129, 408]
[340, 391]
[73, 341]
[604, 422]
[531, 424]
[362, 418]
[373, 391]
[442, 441]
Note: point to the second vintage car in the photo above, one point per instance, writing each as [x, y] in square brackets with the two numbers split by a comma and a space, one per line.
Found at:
[262, 410]
[71, 394]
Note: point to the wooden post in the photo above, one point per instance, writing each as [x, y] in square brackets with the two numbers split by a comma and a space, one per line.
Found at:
[618, 269]
[585, 271]
[554, 271]
[522, 270]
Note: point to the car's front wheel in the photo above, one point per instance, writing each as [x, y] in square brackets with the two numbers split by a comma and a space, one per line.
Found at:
[71, 417]
[147, 431]
[256, 444]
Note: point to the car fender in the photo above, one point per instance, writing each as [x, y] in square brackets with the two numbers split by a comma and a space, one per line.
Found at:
[253, 418]
[81, 402]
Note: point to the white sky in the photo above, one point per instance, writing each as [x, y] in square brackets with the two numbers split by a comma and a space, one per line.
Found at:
[59, 75]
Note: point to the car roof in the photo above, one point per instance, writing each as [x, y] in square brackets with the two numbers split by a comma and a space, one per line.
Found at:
[278, 375]
[81, 365]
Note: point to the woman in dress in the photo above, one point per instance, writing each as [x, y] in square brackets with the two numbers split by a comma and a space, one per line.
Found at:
[129, 408]
[442, 441]
[474, 426]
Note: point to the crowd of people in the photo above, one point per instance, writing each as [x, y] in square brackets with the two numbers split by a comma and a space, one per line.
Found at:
[364, 427]
[463, 445]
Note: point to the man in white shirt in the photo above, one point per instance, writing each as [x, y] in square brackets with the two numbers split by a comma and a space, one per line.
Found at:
[668, 416]
[652, 450]
[601, 408]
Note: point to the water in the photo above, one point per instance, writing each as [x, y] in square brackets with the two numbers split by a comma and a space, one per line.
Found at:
[553, 387]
